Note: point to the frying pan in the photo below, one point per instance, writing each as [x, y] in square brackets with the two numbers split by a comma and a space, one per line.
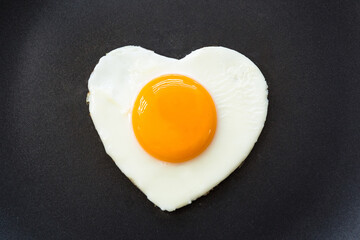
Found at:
[301, 180]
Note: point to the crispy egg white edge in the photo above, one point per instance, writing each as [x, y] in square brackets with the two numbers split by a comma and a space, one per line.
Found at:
[237, 87]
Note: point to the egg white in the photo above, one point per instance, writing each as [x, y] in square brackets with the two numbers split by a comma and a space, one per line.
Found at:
[237, 87]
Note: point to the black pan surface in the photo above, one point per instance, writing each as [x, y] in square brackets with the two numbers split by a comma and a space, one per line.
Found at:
[301, 181]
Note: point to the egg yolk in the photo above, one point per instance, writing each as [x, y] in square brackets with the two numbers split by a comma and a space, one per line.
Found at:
[174, 118]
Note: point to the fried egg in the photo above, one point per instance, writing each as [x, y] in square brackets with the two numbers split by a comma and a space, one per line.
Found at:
[177, 128]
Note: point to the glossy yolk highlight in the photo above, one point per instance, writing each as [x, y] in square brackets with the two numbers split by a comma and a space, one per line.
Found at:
[174, 118]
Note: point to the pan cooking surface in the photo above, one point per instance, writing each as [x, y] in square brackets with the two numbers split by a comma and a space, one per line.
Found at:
[301, 180]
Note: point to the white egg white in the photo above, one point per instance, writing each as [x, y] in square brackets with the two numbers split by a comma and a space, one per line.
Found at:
[237, 87]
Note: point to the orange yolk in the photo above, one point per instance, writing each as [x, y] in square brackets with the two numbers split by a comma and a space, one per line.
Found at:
[174, 118]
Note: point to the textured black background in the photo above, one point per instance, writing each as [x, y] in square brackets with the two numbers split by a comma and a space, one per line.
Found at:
[301, 181]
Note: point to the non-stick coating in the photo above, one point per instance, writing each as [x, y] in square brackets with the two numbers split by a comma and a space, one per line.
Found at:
[301, 181]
